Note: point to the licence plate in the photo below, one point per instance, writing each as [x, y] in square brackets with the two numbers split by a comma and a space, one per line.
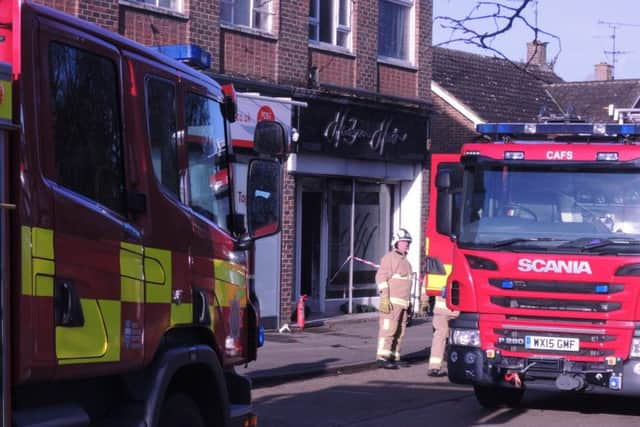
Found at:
[551, 343]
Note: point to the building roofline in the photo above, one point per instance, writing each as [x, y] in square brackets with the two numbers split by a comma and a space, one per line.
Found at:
[456, 104]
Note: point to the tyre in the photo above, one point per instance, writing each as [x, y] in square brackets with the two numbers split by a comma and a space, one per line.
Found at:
[495, 397]
[179, 410]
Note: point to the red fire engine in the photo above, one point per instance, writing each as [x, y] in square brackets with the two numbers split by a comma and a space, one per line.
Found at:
[124, 292]
[546, 260]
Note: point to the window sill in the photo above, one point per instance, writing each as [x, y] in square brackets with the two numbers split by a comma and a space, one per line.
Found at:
[248, 30]
[326, 47]
[398, 63]
[154, 9]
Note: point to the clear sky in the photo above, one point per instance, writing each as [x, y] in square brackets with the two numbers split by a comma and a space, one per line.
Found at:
[576, 22]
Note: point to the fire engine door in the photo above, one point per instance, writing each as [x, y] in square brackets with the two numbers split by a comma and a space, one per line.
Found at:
[79, 258]
[4, 263]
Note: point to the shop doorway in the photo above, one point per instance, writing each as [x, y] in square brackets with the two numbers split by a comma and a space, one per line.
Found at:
[311, 244]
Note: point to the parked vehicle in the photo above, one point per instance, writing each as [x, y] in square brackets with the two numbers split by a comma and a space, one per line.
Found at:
[124, 293]
[546, 260]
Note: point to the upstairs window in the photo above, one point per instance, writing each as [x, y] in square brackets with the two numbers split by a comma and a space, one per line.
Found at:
[395, 29]
[175, 5]
[248, 13]
[330, 22]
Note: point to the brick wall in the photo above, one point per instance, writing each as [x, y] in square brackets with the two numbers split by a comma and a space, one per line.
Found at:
[152, 29]
[293, 43]
[101, 12]
[287, 262]
[66, 6]
[397, 81]
[365, 43]
[449, 129]
[248, 55]
[424, 18]
[203, 28]
[333, 68]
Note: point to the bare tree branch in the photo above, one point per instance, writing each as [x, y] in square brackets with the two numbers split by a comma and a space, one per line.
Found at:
[470, 29]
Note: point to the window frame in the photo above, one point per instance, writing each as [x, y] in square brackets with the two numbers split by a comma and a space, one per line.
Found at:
[265, 10]
[335, 26]
[411, 44]
[156, 3]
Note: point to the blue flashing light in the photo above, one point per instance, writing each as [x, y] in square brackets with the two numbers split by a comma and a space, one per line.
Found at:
[190, 54]
[443, 292]
[507, 284]
[582, 129]
[602, 289]
[260, 336]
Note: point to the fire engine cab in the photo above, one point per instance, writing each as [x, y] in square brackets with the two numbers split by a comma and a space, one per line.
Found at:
[545, 220]
[125, 291]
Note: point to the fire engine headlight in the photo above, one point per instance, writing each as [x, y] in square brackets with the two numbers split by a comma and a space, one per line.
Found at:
[635, 347]
[465, 337]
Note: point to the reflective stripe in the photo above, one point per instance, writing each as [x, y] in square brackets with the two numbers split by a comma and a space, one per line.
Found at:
[384, 353]
[97, 341]
[386, 324]
[435, 282]
[383, 285]
[380, 345]
[157, 274]
[230, 272]
[181, 313]
[131, 273]
[434, 360]
[401, 277]
[25, 261]
[400, 301]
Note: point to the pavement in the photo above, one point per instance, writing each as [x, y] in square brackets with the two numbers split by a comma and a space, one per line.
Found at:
[340, 344]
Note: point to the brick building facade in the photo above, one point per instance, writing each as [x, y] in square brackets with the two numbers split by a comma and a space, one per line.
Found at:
[364, 70]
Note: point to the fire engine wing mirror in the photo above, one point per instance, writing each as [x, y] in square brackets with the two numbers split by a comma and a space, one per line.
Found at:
[269, 138]
[435, 266]
[443, 180]
[263, 198]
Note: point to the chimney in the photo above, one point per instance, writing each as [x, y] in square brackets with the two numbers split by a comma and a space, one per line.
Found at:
[537, 53]
[604, 71]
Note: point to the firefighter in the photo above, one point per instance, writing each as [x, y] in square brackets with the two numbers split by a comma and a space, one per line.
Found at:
[441, 317]
[394, 286]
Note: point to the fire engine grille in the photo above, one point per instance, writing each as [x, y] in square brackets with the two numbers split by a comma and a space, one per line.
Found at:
[591, 345]
[557, 286]
[556, 304]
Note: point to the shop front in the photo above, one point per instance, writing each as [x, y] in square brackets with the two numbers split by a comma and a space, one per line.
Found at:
[358, 170]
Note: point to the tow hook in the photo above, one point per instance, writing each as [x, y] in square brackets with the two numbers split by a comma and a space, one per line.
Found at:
[568, 382]
[513, 378]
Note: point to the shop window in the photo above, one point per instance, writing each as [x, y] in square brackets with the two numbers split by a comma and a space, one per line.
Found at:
[330, 22]
[161, 109]
[86, 124]
[395, 29]
[371, 236]
[248, 13]
[208, 164]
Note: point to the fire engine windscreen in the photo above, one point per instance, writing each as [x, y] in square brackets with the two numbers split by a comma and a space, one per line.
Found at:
[545, 207]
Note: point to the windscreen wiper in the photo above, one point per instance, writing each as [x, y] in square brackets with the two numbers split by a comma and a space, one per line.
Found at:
[601, 243]
[509, 242]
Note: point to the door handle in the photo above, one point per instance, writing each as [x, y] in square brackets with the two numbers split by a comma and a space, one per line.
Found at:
[67, 307]
[7, 206]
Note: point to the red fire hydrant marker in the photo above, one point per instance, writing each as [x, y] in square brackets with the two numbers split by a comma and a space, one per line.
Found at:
[300, 311]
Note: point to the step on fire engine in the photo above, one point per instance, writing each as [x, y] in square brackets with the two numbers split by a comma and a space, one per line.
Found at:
[545, 224]
[125, 296]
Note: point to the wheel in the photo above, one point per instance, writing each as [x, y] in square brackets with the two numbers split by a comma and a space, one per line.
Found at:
[517, 211]
[179, 410]
[495, 397]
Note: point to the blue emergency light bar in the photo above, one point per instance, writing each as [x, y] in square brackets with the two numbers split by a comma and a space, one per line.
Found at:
[583, 129]
[190, 54]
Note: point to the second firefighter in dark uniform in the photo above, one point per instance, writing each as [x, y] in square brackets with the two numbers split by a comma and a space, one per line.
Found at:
[394, 278]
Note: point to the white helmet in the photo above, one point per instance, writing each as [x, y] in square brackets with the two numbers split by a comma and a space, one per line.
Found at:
[401, 235]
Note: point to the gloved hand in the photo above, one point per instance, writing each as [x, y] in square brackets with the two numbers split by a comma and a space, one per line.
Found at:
[385, 304]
